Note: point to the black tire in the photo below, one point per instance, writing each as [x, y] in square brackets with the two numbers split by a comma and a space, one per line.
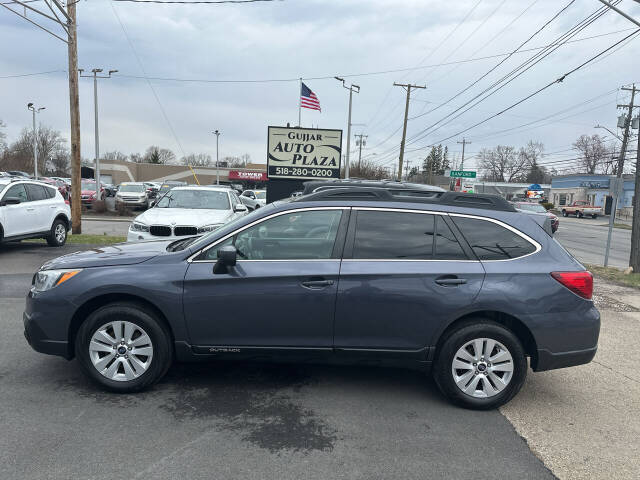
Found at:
[141, 317]
[58, 234]
[579, 214]
[564, 213]
[479, 328]
[595, 215]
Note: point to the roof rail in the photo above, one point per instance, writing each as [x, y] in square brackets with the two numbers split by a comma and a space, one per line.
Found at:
[408, 195]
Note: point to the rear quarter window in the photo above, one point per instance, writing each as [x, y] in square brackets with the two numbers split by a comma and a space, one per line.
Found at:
[491, 241]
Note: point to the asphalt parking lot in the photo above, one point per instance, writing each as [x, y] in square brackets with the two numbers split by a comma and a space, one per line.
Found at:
[218, 420]
[242, 420]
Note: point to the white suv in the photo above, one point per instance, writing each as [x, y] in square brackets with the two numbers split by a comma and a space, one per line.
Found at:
[30, 209]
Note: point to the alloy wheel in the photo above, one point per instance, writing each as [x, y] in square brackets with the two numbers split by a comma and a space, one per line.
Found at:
[121, 351]
[60, 233]
[482, 368]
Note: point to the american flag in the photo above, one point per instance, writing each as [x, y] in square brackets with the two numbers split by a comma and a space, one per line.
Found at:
[308, 99]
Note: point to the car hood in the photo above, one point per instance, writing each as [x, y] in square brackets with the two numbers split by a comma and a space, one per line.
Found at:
[184, 216]
[118, 254]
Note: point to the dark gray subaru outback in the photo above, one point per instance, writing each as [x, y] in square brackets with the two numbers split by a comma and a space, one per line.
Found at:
[458, 285]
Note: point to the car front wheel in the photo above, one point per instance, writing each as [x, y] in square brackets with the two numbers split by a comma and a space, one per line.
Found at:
[123, 347]
[58, 234]
[481, 365]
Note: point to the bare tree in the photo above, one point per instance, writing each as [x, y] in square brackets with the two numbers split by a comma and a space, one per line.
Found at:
[593, 152]
[155, 154]
[503, 164]
[369, 170]
[60, 162]
[197, 160]
[136, 158]
[3, 137]
[19, 155]
[114, 156]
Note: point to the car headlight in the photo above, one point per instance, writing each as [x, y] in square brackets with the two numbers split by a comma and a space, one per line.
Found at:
[47, 279]
[209, 228]
[139, 227]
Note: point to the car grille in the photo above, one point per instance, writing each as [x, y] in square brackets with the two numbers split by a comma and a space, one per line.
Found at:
[160, 230]
[182, 231]
[130, 199]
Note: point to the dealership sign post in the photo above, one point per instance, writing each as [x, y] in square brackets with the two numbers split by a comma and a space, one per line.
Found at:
[303, 153]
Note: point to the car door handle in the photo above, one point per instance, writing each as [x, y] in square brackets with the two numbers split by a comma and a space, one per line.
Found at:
[450, 281]
[316, 284]
[30, 209]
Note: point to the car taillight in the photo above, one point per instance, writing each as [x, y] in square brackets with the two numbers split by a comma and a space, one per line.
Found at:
[580, 283]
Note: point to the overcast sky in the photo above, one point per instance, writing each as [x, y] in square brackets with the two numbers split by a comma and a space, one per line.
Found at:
[288, 39]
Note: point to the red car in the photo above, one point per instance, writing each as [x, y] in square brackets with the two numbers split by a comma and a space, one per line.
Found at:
[530, 207]
[88, 192]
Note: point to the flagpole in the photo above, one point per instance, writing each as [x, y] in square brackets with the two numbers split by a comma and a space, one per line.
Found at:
[300, 104]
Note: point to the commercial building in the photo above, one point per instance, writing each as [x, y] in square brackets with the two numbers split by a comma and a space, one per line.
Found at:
[116, 172]
[591, 188]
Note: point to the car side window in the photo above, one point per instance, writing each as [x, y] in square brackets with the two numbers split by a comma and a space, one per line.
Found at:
[17, 191]
[491, 241]
[36, 192]
[51, 192]
[446, 247]
[393, 236]
[306, 235]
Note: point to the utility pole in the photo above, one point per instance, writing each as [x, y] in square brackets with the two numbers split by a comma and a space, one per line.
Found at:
[217, 134]
[463, 142]
[360, 142]
[352, 88]
[623, 150]
[408, 87]
[74, 110]
[406, 170]
[95, 76]
[634, 257]
[35, 110]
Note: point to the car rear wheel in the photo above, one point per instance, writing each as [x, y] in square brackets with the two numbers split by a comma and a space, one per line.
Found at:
[595, 215]
[579, 214]
[58, 235]
[123, 347]
[564, 213]
[481, 365]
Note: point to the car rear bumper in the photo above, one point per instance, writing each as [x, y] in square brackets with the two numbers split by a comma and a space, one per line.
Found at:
[549, 360]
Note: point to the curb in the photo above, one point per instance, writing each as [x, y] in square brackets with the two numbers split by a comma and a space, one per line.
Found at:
[108, 219]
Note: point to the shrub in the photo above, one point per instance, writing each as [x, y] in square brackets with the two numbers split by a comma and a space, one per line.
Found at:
[99, 206]
[547, 205]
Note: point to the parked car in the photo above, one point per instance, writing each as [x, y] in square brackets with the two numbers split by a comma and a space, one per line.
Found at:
[251, 203]
[152, 189]
[537, 209]
[168, 185]
[30, 209]
[259, 196]
[109, 190]
[88, 192]
[187, 211]
[18, 173]
[581, 209]
[132, 194]
[459, 285]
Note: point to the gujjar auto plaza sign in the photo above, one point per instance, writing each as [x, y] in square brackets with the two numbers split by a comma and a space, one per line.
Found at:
[303, 153]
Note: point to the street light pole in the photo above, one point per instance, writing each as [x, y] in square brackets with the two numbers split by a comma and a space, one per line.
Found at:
[614, 134]
[35, 110]
[351, 89]
[95, 76]
[217, 134]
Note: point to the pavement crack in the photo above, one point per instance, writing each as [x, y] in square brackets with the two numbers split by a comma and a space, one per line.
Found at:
[615, 371]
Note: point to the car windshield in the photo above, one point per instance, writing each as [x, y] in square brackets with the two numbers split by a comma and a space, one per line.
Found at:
[261, 195]
[89, 186]
[532, 207]
[132, 188]
[206, 199]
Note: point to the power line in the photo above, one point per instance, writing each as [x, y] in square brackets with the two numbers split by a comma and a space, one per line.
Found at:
[164, 114]
[540, 90]
[194, 2]
[33, 74]
[511, 76]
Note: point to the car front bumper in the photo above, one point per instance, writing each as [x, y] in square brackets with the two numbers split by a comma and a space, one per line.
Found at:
[132, 203]
[46, 322]
[135, 236]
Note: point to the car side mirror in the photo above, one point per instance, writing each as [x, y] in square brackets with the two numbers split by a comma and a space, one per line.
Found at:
[227, 257]
[153, 203]
[10, 201]
[240, 207]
